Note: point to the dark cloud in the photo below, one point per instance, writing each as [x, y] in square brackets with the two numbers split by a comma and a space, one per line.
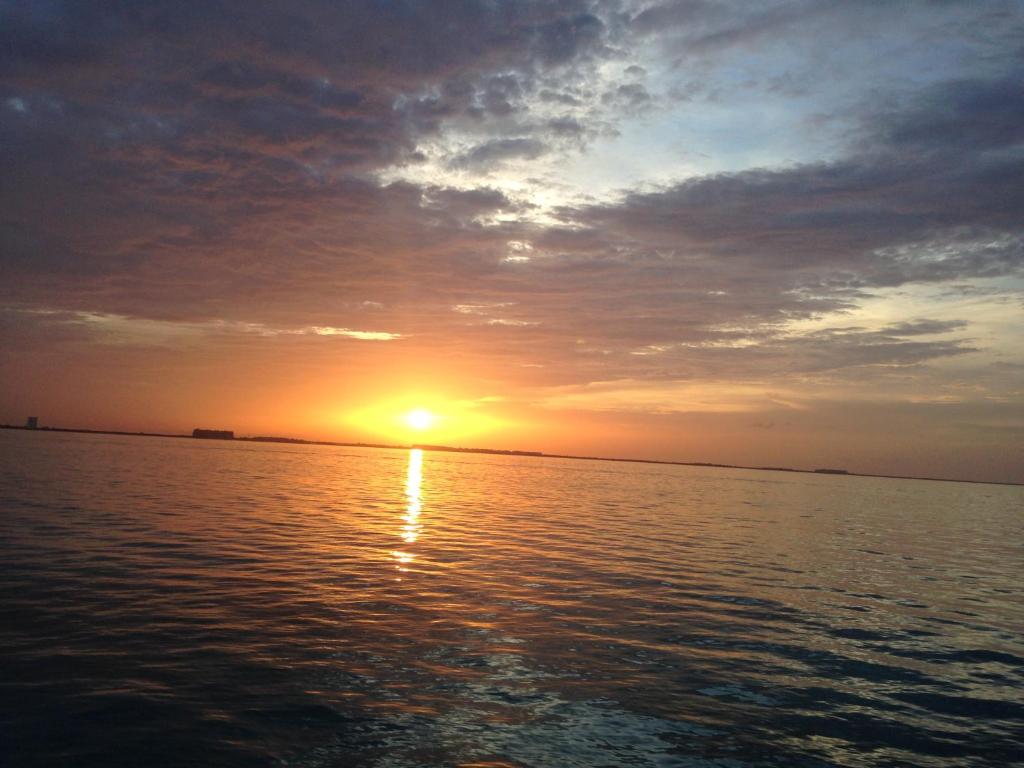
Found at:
[924, 327]
[144, 142]
[702, 26]
[630, 96]
[881, 217]
[567, 99]
[954, 117]
[837, 348]
[491, 153]
[567, 127]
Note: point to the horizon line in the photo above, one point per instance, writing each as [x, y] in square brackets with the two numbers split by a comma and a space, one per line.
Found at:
[833, 472]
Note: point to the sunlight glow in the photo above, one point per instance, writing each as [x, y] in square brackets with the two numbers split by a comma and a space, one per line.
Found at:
[413, 481]
[419, 419]
[410, 520]
[411, 417]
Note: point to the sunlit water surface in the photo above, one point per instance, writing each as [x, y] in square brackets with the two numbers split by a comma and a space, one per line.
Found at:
[202, 603]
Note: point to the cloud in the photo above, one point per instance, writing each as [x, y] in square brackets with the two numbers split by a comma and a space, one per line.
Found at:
[971, 116]
[110, 328]
[321, 330]
[127, 157]
[924, 327]
[629, 96]
[491, 153]
[883, 215]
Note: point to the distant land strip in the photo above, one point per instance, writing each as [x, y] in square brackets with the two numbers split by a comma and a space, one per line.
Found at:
[496, 451]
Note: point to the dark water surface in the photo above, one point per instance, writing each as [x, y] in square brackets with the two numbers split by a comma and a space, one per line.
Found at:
[190, 603]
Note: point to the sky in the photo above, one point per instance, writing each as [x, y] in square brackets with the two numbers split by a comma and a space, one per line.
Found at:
[785, 233]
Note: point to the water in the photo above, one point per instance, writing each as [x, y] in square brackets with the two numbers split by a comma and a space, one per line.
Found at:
[190, 603]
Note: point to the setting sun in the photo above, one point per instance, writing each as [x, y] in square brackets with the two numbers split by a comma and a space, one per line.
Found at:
[419, 419]
[410, 417]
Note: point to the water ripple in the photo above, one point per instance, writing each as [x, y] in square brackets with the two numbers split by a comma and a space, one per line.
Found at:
[182, 603]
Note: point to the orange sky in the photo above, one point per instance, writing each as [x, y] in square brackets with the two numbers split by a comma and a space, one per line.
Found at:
[362, 391]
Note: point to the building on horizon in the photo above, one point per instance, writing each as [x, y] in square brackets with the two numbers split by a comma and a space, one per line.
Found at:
[32, 422]
[213, 434]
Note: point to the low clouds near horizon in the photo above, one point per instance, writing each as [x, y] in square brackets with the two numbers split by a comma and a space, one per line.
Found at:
[711, 231]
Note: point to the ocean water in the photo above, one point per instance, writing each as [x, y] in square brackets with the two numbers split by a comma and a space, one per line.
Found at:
[200, 603]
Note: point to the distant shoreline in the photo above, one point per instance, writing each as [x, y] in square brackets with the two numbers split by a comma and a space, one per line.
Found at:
[505, 452]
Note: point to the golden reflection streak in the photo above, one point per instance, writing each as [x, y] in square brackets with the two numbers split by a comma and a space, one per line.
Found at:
[413, 505]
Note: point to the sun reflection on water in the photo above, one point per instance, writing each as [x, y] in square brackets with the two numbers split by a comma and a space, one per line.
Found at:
[411, 526]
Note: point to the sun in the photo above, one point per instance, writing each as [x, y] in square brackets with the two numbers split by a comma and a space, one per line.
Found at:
[419, 419]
